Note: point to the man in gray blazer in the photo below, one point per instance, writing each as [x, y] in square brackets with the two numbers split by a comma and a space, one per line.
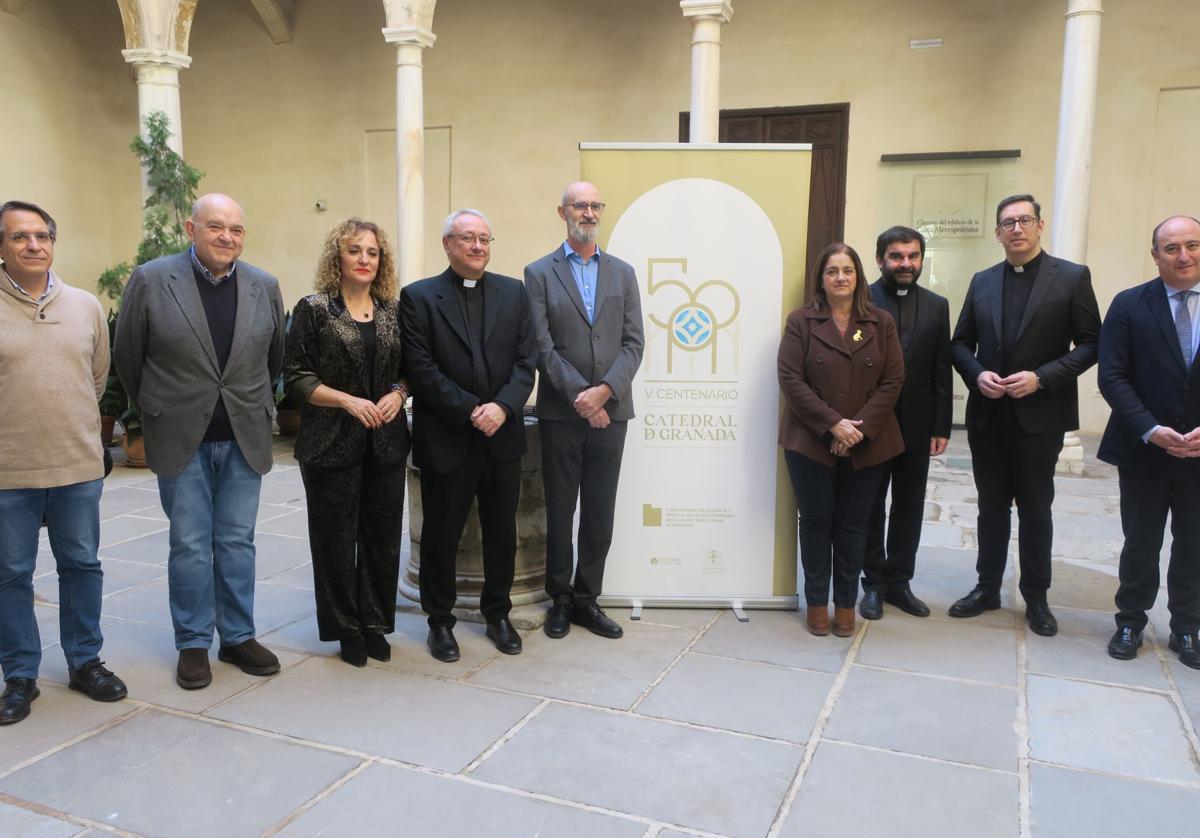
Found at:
[587, 318]
[199, 343]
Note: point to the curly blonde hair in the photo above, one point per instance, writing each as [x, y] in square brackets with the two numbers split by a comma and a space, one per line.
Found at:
[329, 265]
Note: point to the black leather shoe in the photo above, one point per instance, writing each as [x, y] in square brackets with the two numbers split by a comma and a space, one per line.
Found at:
[97, 682]
[378, 647]
[502, 633]
[1125, 643]
[558, 620]
[442, 644]
[1040, 620]
[589, 615]
[1187, 648]
[251, 657]
[903, 598]
[871, 605]
[353, 651]
[19, 693]
[975, 603]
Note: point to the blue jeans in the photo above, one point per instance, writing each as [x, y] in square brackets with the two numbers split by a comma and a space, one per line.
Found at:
[72, 516]
[212, 505]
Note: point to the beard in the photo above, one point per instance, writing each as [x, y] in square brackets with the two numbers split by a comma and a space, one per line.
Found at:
[582, 233]
[893, 281]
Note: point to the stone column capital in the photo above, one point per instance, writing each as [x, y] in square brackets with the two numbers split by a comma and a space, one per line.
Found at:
[414, 36]
[718, 10]
[1083, 7]
[162, 58]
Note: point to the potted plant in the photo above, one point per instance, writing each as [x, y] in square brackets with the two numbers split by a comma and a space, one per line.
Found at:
[287, 410]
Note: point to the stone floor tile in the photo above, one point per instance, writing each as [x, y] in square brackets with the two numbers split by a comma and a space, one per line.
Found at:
[148, 549]
[696, 618]
[945, 561]
[157, 774]
[940, 592]
[587, 668]
[57, 716]
[1093, 523]
[118, 576]
[411, 718]
[384, 800]
[681, 775]
[119, 500]
[300, 576]
[1083, 587]
[276, 553]
[901, 796]
[1142, 734]
[285, 520]
[917, 714]
[283, 488]
[117, 530]
[777, 637]
[145, 658]
[740, 695]
[47, 620]
[1068, 804]
[1080, 651]
[22, 823]
[410, 653]
[958, 648]
[941, 535]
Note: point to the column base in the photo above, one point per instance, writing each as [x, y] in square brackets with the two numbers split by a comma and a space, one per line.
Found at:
[1070, 460]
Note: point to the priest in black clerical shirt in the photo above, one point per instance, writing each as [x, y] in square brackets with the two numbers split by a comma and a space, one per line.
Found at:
[469, 357]
[923, 410]
[1028, 328]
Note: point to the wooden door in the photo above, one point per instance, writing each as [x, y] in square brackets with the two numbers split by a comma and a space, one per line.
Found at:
[826, 128]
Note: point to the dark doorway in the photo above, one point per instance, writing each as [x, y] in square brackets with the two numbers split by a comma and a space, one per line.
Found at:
[826, 127]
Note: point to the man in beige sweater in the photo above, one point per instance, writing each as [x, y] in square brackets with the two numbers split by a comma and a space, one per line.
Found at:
[53, 365]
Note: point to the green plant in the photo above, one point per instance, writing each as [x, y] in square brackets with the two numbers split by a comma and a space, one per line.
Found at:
[171, 191]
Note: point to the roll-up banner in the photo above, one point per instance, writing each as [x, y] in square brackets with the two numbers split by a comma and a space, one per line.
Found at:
[717, 234]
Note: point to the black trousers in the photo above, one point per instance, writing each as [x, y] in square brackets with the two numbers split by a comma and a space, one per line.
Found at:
[891, 560]
[834, 503]
[579, 463]
[355, 522]
[1012, 465]
[446, 502]
[1146, 497]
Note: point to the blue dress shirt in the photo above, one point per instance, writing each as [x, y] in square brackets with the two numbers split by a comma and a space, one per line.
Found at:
[585, 274]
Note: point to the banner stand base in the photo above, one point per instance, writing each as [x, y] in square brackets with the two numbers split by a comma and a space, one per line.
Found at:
[738, 605]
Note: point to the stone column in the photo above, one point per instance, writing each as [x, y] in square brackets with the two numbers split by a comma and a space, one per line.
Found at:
[707, 17]
[410, 41]
[1073, 160]
[157, 74]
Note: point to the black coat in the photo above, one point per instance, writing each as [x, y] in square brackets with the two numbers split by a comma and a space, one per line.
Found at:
[1144, 380]
[324, 346]
[925, 406]
[1061, 310]
[437, 364]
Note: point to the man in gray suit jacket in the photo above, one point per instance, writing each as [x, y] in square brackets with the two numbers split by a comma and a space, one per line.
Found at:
[587, 318]
[199, 343]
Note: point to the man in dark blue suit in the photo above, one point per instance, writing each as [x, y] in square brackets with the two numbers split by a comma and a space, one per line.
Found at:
[1150, 379]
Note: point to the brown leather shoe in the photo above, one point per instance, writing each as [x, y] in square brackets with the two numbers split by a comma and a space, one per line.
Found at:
[816, 617]
[843, 622]
[251, 657]
[193, 672]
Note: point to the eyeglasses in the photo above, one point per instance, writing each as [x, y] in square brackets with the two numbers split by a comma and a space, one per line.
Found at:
[581, 206]
[469, 239]
[1010, 224]
[235, 231]
[41, 237]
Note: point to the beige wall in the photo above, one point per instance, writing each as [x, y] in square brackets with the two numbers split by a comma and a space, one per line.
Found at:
[517, 85]
[69, 112]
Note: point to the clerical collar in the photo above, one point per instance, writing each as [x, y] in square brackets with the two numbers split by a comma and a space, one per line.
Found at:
[895, 287]
[1032, 265]
[466, 283]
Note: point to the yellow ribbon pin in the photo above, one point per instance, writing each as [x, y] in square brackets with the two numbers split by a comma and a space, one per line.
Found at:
[857, 336]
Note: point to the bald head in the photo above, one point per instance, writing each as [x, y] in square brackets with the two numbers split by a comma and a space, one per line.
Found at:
[581, 208]
[1176, 251]
[217, 229]
[1169, 221]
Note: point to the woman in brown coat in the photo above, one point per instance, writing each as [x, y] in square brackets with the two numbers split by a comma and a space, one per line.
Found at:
[840, 369]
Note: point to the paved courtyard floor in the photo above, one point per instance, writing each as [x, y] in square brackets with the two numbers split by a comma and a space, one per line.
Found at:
[693, 724]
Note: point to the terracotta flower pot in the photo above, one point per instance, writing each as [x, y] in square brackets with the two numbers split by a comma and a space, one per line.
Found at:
[135, 452]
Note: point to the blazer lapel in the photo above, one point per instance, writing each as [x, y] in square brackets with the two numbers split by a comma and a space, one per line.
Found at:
[884, 300]
[243, 323]
[1045, 279]
[603, 280]
[996, 299]
[1160, 311]
[183, 288]
[447, 304]
[347, 330]
[567, 279]
[827, 333]
[491, 307]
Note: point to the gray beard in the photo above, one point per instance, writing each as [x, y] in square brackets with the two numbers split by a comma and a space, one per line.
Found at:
[581, 234]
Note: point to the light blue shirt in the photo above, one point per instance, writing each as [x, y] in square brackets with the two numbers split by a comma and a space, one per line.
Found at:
[45, 294]
[1193, 305]
[585, 274]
